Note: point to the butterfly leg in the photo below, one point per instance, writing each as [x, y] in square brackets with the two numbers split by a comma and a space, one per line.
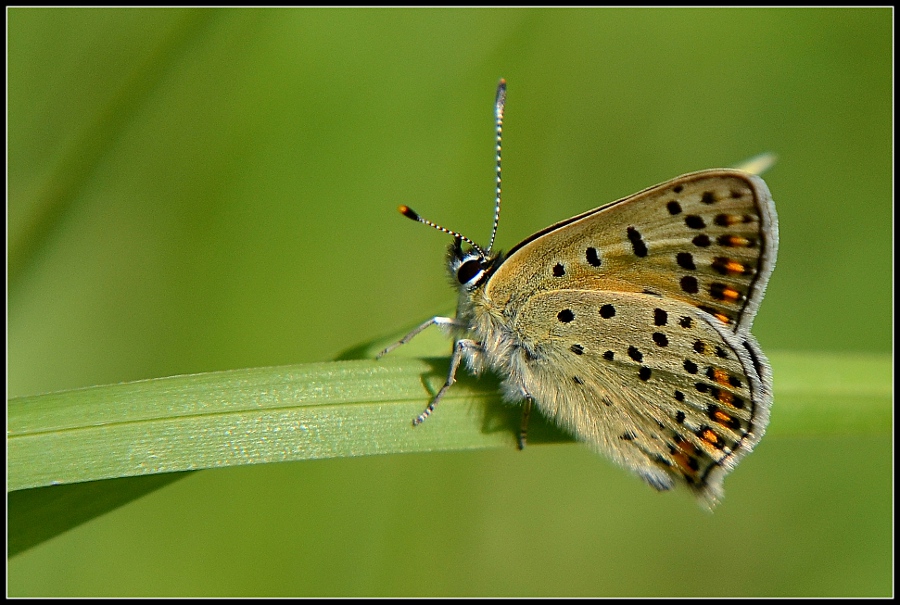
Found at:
[440, 321]
[523, 428]
[460, 349]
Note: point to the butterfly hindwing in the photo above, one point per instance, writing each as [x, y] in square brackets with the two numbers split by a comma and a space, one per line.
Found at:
[707, 238]
[660, 387]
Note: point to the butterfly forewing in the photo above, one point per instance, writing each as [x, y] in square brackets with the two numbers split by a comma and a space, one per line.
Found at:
[707, 238]
[660, 387]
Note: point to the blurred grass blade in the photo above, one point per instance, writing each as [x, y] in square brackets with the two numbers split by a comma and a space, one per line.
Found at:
[758, 164]
[82, 157]
[832, 394]
[323, 410]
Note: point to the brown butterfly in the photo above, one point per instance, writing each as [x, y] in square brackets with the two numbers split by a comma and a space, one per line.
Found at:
[629, 324]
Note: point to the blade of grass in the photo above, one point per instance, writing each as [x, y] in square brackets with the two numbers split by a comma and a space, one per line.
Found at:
[61, 188]
[75, 455]
[323, 410]
[318, 410]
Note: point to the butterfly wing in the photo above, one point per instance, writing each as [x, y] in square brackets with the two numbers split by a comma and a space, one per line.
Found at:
[707, 238]
[662, 388]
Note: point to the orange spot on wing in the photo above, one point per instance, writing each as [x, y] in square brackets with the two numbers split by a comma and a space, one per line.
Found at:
[686, 446]
[731, 294]
[734, 267]
[735, 241]
[723, 418]
[681, 460]
[720, 376]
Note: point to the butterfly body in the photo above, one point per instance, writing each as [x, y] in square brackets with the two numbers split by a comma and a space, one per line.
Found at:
[629, 324]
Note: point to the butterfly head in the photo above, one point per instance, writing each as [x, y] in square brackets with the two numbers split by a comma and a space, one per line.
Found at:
[470, 268]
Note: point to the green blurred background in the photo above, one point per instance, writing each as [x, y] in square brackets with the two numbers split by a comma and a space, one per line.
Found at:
[197, 190]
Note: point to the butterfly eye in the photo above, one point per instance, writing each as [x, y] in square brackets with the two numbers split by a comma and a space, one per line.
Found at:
[468, 271]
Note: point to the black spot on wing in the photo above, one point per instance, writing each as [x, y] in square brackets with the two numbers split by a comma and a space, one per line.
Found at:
[660, 317]
[637, 242]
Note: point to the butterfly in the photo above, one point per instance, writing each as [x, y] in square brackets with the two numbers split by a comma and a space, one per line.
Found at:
[629, 325]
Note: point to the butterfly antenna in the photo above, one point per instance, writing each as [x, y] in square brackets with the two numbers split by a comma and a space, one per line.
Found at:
[498, 117]
[412, 214]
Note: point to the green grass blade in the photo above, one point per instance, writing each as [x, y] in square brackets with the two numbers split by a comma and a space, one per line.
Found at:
[324, 410]
[318, 410]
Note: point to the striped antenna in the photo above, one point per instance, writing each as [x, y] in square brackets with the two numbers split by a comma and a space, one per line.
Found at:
[412, 214]
[409, 213]
[498, 116]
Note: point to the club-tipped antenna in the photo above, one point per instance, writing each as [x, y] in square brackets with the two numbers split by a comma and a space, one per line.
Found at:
[498, 117]
[412, 214]
[409, 213]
